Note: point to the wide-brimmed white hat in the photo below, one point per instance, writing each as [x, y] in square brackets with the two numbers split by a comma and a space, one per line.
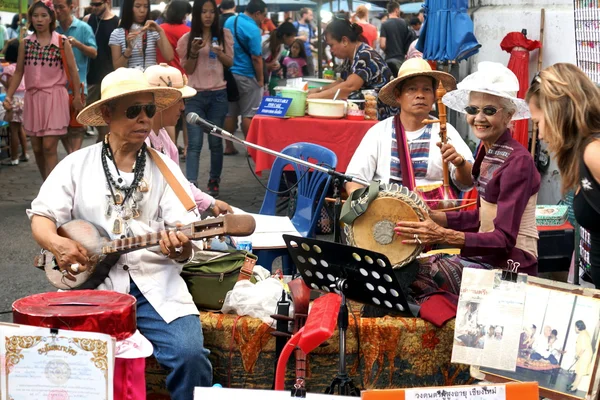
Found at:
[491, 78]
[163, 75]
[412, 68]
[125, 82]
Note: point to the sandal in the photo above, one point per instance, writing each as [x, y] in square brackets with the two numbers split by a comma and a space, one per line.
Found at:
[231, 153]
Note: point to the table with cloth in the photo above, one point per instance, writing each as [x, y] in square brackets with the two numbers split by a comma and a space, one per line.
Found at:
[342, 136]
[394, 353]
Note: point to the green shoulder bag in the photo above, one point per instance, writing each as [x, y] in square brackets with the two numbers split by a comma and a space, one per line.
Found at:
[210, 275]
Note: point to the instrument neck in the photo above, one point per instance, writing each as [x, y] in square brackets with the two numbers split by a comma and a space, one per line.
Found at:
[195, 231]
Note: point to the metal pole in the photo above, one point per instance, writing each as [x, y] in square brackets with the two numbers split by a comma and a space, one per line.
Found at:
[320, 45]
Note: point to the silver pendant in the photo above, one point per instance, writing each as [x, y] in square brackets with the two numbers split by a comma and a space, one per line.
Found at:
[143, 186]
[118, 226]
[137, 196]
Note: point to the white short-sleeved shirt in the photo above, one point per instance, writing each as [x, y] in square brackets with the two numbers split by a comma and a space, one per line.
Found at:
[117, 38]
[371, 160]
[76, 189]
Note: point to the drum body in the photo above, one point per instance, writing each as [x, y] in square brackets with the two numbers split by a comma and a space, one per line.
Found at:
[100, 311]
[374, 229]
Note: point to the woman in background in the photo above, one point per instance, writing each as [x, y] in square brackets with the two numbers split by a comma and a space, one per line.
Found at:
[133, 44]
[273, 47]
[46, 102]
[565, 104]
[204, 52]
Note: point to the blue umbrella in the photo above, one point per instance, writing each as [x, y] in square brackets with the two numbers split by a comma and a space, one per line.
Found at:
[343, 6]
[411, 8]
[447, 34]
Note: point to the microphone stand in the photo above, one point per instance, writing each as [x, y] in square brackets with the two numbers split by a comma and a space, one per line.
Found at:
[338, 178]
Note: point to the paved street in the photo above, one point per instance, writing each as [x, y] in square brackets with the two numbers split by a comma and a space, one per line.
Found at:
[19, 185]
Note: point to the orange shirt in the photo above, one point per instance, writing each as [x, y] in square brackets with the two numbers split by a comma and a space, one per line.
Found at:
[267, 26]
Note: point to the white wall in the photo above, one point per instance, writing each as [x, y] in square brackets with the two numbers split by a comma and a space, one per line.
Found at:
[493, 19]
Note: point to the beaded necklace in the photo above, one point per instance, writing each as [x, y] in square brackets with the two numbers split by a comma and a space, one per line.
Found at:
[119, 193]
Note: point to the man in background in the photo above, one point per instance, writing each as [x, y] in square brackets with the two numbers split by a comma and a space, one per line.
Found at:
[102, 21]
[227, 8]
[247, 67]
[306, 34]
[415, 25]
[82, 40]
[395, 39]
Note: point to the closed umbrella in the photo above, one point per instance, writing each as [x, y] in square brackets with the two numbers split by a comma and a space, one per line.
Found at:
[447, 34]
[517, 44]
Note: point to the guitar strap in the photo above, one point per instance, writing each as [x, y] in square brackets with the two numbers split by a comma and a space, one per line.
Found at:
[180, 192]
[247, 268]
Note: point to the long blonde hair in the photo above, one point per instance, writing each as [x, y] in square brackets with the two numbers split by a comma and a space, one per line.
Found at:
[570, 103]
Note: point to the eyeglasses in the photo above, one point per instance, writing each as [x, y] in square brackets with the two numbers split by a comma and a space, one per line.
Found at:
[487, 110]
[98, 4]
[133, 111]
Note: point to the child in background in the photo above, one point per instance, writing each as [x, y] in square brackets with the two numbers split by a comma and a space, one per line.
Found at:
[295, 65]
[15, 117]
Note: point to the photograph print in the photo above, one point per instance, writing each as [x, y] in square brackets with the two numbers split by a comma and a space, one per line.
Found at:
[558, 344]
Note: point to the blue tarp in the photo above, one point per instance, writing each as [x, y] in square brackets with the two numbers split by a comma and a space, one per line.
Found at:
[447, 34]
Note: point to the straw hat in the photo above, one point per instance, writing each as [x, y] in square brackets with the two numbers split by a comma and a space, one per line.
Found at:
[163, 75]
[125, 82]
[410, 69]
[491, 78]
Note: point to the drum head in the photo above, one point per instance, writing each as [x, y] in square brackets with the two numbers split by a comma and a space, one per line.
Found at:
[374, 230]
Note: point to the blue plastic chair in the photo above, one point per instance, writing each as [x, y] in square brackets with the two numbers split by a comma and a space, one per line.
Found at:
[312, 189]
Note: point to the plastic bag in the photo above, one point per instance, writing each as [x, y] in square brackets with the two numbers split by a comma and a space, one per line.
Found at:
[256, 300]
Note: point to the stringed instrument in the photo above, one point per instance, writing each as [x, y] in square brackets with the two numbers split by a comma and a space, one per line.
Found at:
[301, 297]
[103, 253]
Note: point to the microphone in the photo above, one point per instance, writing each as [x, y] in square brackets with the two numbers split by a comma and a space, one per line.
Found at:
[194, 119]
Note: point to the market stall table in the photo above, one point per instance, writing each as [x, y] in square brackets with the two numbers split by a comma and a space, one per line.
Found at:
[339, 135]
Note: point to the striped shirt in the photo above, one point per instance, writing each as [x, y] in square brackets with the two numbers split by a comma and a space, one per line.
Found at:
[419, 154]
[150, 38]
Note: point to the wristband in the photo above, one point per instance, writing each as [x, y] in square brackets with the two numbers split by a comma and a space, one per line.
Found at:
[194, 56]
[126, 56]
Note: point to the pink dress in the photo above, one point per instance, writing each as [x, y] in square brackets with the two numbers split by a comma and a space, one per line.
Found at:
[46, 108]
[17, 103]
[163, 143]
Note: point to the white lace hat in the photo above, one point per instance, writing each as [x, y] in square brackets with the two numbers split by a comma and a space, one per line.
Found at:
[491, 78]
[163, 75]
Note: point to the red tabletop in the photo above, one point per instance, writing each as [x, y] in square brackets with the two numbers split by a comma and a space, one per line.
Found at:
[339, 135]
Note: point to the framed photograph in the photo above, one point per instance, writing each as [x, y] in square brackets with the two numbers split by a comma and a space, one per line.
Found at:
[559, 341]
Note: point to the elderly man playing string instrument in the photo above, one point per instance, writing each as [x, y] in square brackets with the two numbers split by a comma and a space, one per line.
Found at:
[116, 186]
[378, 157]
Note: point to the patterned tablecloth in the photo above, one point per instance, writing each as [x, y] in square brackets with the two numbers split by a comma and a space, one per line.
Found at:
[394, 353]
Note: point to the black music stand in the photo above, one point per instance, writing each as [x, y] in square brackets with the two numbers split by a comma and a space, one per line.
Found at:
[357, 274]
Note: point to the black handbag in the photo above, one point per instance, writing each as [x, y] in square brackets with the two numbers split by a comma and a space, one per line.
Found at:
[233, 93]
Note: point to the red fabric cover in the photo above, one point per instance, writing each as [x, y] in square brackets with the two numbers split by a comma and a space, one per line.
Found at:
[339, 135]
[130, 379]
[439, 308]
[100, 311]
[519, 64]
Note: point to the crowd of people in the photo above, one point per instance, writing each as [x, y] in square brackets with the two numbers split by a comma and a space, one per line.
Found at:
[132, 77]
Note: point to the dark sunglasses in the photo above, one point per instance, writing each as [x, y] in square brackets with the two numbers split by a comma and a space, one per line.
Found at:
[487, 110]
[133, 111]
[98, 4]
